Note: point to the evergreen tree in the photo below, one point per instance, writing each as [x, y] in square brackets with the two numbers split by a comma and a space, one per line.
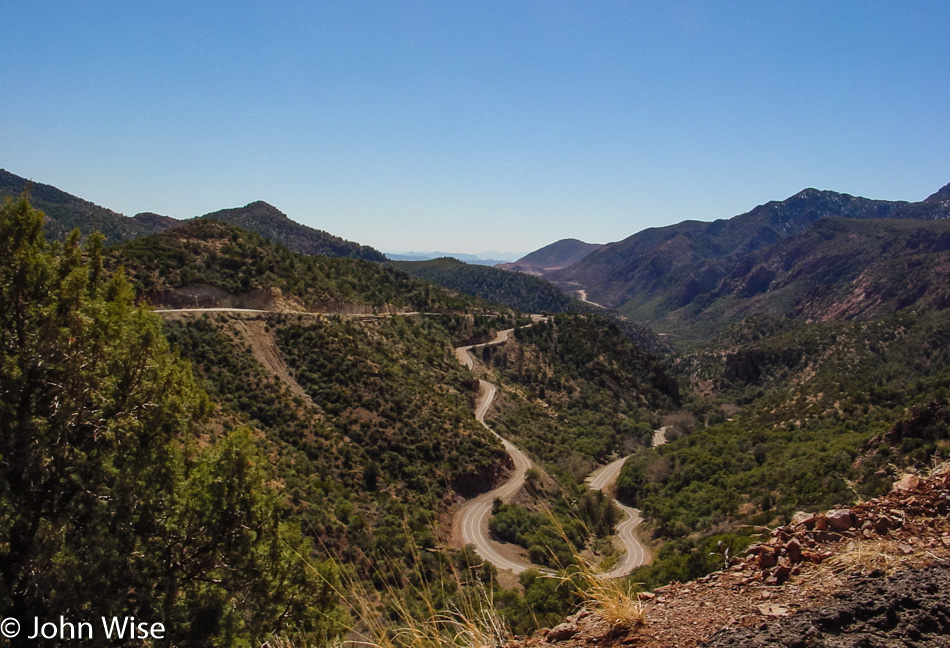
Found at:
[107, 506]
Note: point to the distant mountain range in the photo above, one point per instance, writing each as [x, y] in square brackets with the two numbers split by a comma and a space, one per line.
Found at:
[555, 256]
[490, 258]
[64, 212]
[816, 255]
[676, 277]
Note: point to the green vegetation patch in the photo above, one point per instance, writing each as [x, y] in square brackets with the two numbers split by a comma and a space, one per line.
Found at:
[579, 392]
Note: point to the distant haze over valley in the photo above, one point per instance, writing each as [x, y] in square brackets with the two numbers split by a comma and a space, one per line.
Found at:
[482, 258]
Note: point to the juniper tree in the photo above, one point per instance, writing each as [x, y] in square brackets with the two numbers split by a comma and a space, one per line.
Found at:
[107, 504]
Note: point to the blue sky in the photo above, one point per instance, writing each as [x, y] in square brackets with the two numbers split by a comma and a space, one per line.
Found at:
[468, 126]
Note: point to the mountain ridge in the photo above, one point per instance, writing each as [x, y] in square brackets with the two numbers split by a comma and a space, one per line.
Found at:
[652, 273]
[273, 224]
[65, 212]
[557, 255]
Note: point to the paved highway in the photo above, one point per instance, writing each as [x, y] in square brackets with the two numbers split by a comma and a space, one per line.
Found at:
[635, 555]
[475, 513]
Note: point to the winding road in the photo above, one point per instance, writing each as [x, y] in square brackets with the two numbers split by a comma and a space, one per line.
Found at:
[472, 517]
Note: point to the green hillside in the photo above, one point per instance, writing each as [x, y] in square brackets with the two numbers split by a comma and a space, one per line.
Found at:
[838, 269]
[650, 275]
[577, 392]
[519, 291]
[237, 263]
[65, 212]
[794, 416]
[274, 225]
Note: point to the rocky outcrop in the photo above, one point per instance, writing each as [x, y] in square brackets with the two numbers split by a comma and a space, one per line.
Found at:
[809, 536]
[872, 574]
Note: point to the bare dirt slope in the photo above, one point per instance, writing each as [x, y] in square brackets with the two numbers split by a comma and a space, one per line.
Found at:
[255, 333]
[250, 327]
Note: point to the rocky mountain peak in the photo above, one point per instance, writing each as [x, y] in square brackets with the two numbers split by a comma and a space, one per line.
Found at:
[941, 196]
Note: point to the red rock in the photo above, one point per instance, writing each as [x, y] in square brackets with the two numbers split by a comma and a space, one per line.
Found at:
[840, 520]
[907, 483]
[804, 519]
[781, 573]
[794, 550]
[561, 632]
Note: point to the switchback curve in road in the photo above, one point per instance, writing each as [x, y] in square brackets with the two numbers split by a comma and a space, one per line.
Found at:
[634, 555]
[473, 515]
[600, 479]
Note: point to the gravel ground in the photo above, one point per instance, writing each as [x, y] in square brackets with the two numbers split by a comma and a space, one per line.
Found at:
[911, 608]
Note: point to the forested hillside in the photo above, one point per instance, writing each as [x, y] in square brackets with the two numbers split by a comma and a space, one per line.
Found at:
[667, 276]
[839, 269]
[64, 212]
[379, 437]
[519, 291]
[274, 225]
[117, 494]
[579, 391]
[794, 416]
[209, 263]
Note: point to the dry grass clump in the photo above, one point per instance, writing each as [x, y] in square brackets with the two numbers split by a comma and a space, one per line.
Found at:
[866, 557]
[612, 599]
[453, 609]
[451, 629]
[614, 602]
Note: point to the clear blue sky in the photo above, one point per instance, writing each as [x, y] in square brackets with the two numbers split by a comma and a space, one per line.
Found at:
[474, 125]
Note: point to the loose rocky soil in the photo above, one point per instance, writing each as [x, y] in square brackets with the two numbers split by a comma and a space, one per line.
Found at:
[911, 608]
[874, 575]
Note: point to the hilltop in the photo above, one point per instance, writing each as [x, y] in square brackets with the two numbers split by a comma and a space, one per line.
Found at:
[274, 225]
[557, 255]
[65, 212]
[208, 263]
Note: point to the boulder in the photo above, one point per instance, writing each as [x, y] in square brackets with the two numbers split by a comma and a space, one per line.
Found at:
[561, 632]
[907, 483]
[840, 520]
[794, 551]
